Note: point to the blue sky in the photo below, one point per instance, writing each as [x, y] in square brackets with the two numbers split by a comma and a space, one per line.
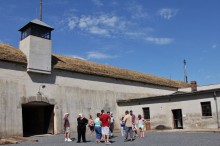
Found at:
[150, 36]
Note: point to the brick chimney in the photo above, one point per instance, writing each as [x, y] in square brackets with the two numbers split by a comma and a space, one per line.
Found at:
[193, 86]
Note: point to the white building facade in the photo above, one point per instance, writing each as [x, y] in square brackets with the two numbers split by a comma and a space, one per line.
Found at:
[190, 110]
[37, 87]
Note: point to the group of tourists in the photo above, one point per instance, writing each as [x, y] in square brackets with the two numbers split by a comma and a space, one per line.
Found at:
[103, 126]
[129, 127]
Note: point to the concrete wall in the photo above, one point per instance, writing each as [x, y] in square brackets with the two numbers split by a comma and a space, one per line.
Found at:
[69, 92]
[38, 61]
[10, 111]
[161, 111]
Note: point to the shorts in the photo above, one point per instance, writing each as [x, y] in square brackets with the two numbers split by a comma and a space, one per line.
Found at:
[67, 130]
[98, 131]
[105, 130]
[134, 127]
[92, 128]
[141, 126]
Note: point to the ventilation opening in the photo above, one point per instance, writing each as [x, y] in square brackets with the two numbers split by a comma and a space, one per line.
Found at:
[38, 118]
[177, 118]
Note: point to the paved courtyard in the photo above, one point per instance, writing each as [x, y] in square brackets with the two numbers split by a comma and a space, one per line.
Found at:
[151, 139]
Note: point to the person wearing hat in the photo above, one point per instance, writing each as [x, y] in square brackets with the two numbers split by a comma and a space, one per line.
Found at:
[66, 125]
[81, 128]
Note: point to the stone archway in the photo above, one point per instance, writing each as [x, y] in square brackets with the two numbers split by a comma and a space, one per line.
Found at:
[37, 115]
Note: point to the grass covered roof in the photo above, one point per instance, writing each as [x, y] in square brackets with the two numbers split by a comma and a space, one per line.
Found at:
[11, 54]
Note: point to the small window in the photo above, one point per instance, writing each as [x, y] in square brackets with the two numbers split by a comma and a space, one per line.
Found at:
[25, 33]
[206, 109]
[146, 111]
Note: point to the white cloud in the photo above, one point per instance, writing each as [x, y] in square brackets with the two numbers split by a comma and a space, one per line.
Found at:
[134, 34]
[99, 31]
[159, 41]
[105, 25]
[98, 55]
[97, 2]
[137, 10]
[109, 21]
[76, 56]
[214, 46]
[72, 22]
[84, 22]
[94, 55]
[103, 20]
[167, 13]
[138, 33]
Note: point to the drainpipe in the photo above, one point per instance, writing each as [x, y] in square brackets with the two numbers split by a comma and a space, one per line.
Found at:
[216, 104]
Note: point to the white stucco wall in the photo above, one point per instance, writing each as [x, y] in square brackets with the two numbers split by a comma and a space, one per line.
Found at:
[71, 92]
[161, 111]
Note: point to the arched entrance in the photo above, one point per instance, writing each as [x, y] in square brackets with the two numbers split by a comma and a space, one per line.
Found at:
[38, 118]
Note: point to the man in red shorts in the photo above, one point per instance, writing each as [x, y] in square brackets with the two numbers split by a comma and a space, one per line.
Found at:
[105, 119]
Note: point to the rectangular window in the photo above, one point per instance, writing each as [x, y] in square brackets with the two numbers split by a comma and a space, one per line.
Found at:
[25, 33]
[146, 111]
[206, 108]
[40, 32]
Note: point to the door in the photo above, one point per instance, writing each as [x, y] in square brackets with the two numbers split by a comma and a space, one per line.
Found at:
[38, 118]
[177, 119]
[49, 115]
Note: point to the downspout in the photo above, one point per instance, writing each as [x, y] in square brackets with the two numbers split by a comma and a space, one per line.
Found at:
[216, 104]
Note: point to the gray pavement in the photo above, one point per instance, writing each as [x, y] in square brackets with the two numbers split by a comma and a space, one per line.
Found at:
[174, 138]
